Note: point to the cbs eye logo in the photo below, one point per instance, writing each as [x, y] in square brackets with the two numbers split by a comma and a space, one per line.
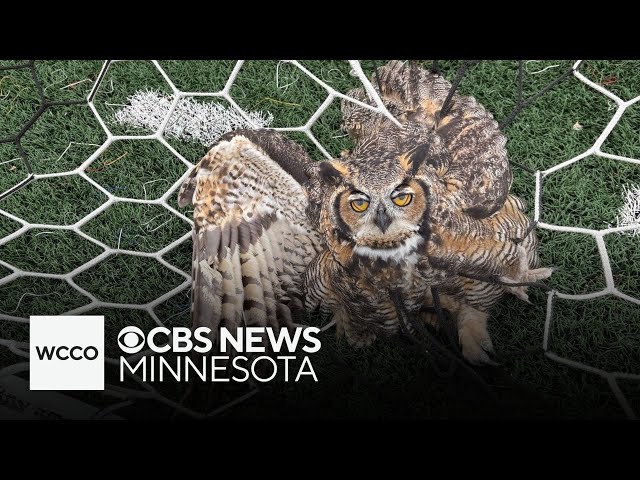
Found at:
[131, 340]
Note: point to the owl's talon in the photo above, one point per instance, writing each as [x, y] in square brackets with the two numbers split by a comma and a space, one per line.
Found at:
[478, 357]
[520, 292]
[487, 360]
[474, 337]
[540, 274]
[487, 345]
[526, 276]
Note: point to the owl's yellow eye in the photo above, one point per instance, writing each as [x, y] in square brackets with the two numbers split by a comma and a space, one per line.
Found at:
[403, 199]
[360, 205]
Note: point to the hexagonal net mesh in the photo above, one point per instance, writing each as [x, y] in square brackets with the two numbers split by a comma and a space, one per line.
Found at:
[156, 253]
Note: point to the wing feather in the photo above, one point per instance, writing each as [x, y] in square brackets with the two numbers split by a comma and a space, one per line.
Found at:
[499, 247]
[252, 241]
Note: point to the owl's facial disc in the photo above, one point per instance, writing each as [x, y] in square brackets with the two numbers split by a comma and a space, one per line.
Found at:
[383, 223]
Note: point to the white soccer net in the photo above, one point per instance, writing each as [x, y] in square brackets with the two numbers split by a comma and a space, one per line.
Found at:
[610, 289]
[125, 396]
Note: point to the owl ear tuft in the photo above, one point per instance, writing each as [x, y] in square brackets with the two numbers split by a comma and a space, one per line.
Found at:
[332, 171]
[419, 156]
[412, 160]
[429, 153]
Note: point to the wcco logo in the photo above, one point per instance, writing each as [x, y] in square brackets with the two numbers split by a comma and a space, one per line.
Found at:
[66, 352]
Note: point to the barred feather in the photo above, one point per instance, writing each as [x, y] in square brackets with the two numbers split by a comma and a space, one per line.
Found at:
[251, 235]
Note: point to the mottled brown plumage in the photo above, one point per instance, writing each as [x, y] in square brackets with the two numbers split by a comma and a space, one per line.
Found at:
[252, 240]
[409, 208]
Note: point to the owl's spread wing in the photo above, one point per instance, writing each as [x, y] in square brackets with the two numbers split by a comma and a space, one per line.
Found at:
[251, 238]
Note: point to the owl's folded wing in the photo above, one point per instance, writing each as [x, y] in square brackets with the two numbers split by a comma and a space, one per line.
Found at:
[501, 247]
[251, 238]
[471, 146]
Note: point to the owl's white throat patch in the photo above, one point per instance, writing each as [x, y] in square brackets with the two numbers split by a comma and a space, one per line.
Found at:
[398, 253]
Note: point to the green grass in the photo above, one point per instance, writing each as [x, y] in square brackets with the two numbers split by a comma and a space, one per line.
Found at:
[135, 226]
[588, 193]
[151, 169]
[7, 226]
[4, 272]
[620, 77]
[61, 252]
[180, 256]
[13, 170]
[55, 129]
[603, 333]
[107, 279]
[55, 200]
[38, 296]
[576, 258]
[624, 139]
[388, 379]
[198, 75]
[255, 87]
[623, 252]
[64, 80]
[20, 100]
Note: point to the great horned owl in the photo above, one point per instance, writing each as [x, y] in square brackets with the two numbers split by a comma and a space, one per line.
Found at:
[423, 205]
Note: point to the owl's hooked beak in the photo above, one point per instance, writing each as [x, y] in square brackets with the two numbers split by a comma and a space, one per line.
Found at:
[382, 219]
